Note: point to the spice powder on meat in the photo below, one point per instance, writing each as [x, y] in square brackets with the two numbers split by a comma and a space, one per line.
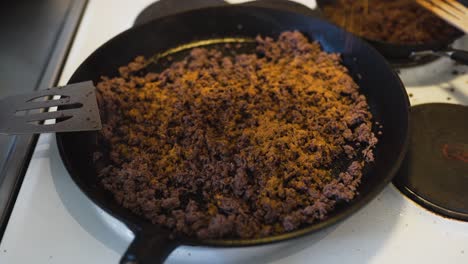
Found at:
[239, 146]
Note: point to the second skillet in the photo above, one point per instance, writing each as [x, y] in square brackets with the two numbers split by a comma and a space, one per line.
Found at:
[399, 52]
[386, 96]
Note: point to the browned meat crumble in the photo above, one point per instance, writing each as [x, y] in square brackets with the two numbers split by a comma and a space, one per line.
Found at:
[237, 146]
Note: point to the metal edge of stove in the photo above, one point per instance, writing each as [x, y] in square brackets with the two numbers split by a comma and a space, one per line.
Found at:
[23, 146]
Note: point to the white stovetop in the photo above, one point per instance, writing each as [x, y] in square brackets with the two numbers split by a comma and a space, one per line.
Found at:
[53, 222]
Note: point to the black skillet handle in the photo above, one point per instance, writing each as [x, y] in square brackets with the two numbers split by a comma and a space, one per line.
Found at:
[460, 56]
[149, 247]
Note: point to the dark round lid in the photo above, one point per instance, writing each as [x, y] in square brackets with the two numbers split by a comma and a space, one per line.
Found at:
[435, 171]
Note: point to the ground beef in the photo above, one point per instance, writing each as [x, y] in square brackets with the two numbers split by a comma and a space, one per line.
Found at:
[394, 21]
[235, 146]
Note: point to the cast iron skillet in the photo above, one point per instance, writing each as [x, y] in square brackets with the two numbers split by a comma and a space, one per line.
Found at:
[386, 96]
[404, 51]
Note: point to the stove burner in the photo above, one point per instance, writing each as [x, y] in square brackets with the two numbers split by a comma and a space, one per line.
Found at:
[435, 171]
[163, 8]
[169, 7]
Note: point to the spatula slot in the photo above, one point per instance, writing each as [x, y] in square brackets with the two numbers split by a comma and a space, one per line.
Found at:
[43, 106]
[48, 122]
[47, 98]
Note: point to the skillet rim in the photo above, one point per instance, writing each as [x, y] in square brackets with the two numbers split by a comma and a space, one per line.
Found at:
[138, 224]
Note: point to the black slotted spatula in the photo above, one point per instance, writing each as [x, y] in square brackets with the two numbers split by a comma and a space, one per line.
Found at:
[72, 107]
